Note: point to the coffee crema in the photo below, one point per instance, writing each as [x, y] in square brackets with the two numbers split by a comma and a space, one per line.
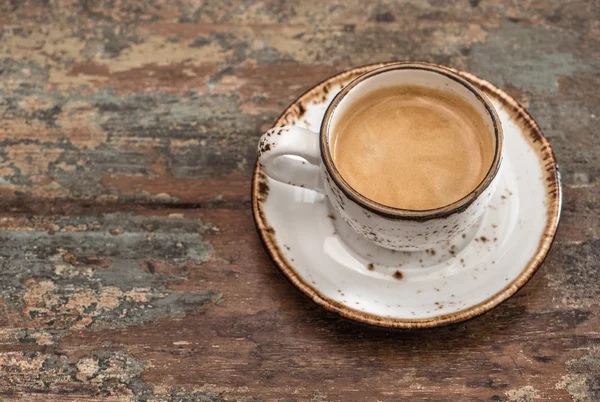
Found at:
[412, 147]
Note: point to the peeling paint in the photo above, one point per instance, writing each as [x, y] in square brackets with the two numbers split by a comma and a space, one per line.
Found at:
[114, 375]
[523, 394]
[128, 136]
[577, 264]
[68, 286]
[583, 379]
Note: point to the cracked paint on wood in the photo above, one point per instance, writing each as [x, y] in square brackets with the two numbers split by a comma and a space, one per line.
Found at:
[130, 268]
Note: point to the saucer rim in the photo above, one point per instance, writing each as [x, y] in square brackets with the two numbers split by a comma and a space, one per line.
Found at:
[530, 129]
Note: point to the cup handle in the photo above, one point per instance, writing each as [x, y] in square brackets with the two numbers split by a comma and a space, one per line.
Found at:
[292, 155]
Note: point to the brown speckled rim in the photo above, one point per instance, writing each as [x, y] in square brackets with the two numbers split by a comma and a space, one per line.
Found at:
[400, 213]
[535, 138]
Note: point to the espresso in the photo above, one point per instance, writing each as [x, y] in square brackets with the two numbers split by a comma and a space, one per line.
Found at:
[412, 147]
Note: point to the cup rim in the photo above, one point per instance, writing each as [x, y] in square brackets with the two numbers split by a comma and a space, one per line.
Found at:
[400, 213]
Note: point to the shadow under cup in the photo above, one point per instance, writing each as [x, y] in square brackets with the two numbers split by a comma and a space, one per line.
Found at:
[405, 229]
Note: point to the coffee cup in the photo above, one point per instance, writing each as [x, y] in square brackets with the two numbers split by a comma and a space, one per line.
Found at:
[408, 155]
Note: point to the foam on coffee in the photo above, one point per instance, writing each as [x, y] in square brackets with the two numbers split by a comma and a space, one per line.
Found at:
[412, 147]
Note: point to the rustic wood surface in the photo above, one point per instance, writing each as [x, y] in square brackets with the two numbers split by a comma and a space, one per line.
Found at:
[130, 268]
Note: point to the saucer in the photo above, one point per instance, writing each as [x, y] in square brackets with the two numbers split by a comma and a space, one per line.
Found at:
[337, 269]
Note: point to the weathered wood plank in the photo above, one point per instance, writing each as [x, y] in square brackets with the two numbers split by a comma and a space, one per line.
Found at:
[130, 268]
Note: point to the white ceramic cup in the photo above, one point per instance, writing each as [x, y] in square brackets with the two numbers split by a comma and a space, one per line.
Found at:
[311, 165]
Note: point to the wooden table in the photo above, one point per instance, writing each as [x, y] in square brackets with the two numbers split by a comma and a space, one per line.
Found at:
[130, 268]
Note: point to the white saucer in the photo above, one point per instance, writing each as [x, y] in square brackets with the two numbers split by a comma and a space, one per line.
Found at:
[338, 270]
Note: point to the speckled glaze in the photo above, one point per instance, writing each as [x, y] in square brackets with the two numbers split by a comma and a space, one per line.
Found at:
[338, 269]
[311, 165]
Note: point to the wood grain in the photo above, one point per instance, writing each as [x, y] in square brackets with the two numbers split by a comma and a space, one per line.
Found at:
[130, 267]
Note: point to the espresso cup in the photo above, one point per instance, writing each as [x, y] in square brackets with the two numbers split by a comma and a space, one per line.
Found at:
[303, 158]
